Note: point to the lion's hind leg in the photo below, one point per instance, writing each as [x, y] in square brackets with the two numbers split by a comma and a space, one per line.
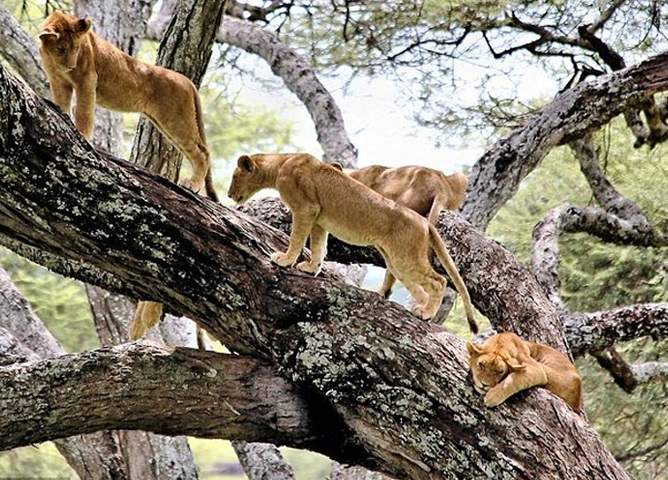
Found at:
[388, 282]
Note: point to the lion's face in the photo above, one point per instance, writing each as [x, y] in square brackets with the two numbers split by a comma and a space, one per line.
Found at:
[246, 180]
[62, 36]
[488, 370]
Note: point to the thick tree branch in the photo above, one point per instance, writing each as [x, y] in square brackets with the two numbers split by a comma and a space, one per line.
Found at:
[596, 331]
[570, 219]
[132, 386]
[496, 176]
[397, 387]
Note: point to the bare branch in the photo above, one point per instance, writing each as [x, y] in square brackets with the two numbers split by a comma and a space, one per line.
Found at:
[606, 195]
[598, 330]
[574, 113]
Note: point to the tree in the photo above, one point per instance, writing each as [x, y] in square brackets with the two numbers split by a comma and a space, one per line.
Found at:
[367, 367]
[302, 327]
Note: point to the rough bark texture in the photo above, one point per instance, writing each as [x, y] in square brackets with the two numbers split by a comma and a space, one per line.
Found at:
[150, 388]
[259, 461]
[298, 76]
[394, 390]
[95, 455]
[496, 176]
[598, 330]
[263, 461]
[147, 456]
[21, 52]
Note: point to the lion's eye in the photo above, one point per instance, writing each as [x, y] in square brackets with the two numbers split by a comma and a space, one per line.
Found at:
[481, 366]
[61, 50]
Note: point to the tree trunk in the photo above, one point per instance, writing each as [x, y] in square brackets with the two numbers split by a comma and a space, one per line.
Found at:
[298, 76]
[392, 390]
[21, 52]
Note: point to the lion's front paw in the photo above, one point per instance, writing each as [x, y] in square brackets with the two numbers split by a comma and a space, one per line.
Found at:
[309, 267]
[281, 259]
[494, 397]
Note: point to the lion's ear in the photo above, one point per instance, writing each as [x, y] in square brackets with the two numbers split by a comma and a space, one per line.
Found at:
[83, 25]
[246, 163]
[337, 165]
[48, 34]
[473, 349]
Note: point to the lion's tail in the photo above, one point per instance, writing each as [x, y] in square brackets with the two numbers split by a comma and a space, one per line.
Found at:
[208, 180]
[444, 257]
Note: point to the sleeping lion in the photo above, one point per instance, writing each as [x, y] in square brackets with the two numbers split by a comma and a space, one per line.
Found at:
[506, 364]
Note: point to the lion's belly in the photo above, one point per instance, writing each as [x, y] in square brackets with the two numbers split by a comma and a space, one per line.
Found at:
[349, 231]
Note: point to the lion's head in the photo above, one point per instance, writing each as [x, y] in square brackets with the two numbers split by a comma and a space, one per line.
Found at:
[61, 38]
[246, 181]
[491, 362]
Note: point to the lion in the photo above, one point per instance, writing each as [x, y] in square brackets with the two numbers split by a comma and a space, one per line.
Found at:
[323, 199]
[422, 189]
[506, 364]
[79, 62]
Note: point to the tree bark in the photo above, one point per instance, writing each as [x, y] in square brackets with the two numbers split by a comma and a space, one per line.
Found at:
[21, 52]
[394, 390]
[496, 176]
[95, 455]
[599, 330]
[147, 456]
[150, 388]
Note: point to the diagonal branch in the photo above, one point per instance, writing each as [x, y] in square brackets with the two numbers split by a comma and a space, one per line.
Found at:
[21, 52]
[497, 174]
[604, 192]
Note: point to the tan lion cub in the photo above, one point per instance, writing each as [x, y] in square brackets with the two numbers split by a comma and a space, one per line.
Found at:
[423, 190]
[506, 364]
[79, 62]
[323, 199]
